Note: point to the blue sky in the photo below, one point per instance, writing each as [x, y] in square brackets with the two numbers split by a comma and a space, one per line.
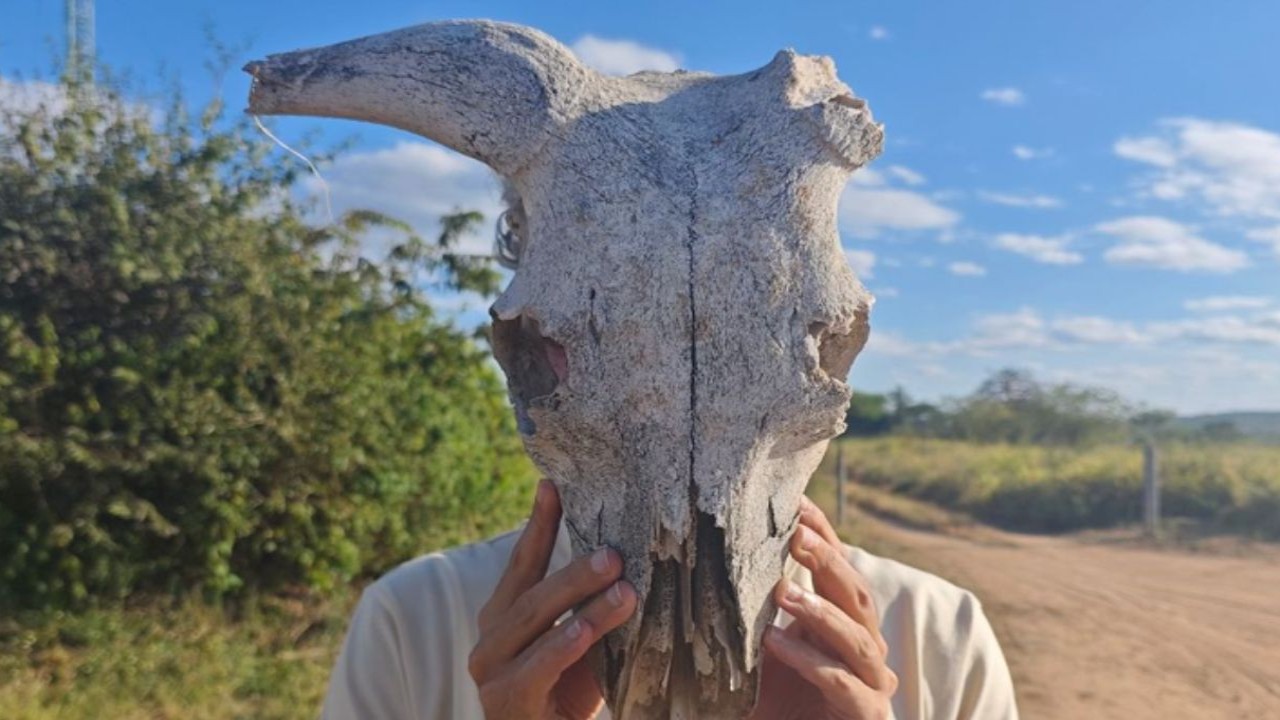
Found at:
[1087, 189]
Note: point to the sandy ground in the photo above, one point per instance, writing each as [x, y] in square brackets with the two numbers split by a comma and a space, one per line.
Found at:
[1104, 627]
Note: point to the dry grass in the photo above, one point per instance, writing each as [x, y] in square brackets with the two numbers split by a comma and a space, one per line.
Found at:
[1231, 488]
[159, 660]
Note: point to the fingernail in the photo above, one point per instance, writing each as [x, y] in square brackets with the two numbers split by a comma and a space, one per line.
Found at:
[600, 561]
[793, 593]
[573, 630]
[540, 496]
[808, 538]
[775, 636]
[615, 594]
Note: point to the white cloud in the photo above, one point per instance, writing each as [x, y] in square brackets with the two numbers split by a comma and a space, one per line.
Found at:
[878, 32]
[869, 205]
[1258, 330]
[906, 175]
[1094, 330]
[1024, 328]
[1027, 329]
[1267, 236]
[1219, 303]
[1022, 201]
[417, 183]
[892, 344]
[1197, 364]
[966, 269]
[25, 97]
[1162, 243]
[1149, 150]
[1192, 365]
[1026, 152]
[863, 263]
[20, 98]
[1197, 381]
[1234, 169]
[1007, 96]
[1042, 249]
[868, 177]
[623, 57]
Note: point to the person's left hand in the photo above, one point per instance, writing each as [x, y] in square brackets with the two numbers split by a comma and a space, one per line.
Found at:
[830, 663]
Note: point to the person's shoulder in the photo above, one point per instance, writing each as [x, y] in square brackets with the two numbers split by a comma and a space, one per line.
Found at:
[464, 573]
[898, 587]
[408, 640]
[941, 644]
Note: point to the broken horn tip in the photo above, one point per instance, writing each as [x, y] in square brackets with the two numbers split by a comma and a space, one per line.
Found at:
[785, 56]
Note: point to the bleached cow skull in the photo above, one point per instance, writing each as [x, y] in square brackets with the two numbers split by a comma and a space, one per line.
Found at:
[677, 336]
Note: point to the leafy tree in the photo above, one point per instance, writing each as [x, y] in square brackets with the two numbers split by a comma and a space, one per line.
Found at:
[1010, 387]
[871, 415]
[867, 415]
[1012, 406]
[201, 390]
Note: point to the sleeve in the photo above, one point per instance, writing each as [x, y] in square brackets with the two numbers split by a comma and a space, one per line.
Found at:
[987, 689]
[368, 682]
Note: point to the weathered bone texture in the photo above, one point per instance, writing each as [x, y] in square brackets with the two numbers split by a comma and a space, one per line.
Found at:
[678, 332]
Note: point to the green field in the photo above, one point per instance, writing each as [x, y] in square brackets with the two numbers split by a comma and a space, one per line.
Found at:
[1223, 487]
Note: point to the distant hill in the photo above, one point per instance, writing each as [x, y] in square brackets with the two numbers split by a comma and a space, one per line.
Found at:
[1259, 425]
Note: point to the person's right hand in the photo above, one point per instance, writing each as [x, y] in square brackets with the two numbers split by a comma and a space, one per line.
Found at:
[526, 666]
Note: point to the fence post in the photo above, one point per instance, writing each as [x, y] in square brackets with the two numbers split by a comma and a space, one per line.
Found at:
[1150, 489]
[840, 480]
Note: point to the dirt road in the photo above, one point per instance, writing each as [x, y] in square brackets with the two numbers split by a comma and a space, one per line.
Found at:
[1104, 628]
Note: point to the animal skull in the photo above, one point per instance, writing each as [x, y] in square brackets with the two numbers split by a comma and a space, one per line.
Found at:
[678, 332]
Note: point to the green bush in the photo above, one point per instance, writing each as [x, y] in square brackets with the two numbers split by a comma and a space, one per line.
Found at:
[1051, 489]
[201, 391]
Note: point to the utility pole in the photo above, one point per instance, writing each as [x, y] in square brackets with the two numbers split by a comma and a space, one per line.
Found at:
[81, 53]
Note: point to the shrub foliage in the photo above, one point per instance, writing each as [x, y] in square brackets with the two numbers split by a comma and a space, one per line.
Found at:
[201, 390]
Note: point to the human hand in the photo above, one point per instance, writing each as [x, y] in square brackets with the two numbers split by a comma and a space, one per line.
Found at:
[830, 663]
[526, 666]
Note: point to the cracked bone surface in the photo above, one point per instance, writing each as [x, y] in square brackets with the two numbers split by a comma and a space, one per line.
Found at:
[678, 332]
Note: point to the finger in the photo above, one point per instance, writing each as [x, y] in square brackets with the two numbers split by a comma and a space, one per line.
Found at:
[533, 613]
[846, 640]
[531, 554]
[541, 665]
[812, 516]
[839, 687]
[835, 579]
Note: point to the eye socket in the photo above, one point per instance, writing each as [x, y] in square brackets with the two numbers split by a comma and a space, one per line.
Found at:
[535, 365]
[836, 352]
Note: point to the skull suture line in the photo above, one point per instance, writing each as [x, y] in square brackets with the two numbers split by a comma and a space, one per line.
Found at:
[678, 332]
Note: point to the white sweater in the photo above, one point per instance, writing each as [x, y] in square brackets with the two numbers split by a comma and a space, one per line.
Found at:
[405, 654]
